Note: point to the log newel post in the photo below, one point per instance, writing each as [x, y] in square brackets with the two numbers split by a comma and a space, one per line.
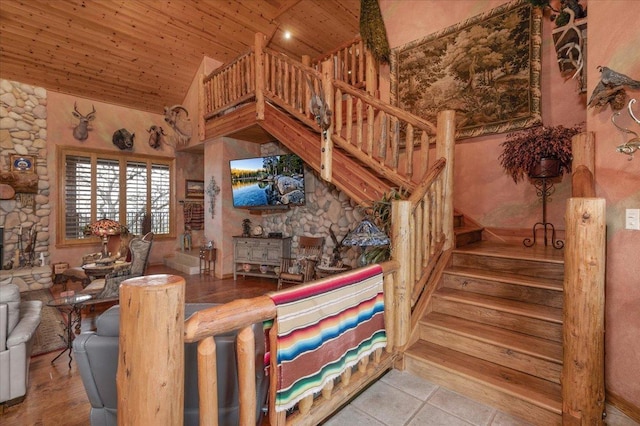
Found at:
[445, 147]
[327, 144]
[150, 377]
[401, 251]
[583, 165]
[583, 394]
[260, 76]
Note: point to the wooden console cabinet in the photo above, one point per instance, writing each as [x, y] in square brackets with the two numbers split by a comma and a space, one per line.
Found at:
[257, 252]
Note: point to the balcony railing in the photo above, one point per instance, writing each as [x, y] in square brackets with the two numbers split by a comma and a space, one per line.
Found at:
[156, 302]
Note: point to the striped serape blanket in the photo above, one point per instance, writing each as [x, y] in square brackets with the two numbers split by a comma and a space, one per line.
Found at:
[325, 327]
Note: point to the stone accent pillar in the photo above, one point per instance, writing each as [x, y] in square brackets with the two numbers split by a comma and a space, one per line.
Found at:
[23, 131]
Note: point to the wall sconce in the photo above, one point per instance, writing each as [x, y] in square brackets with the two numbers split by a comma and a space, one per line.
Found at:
[633, 144]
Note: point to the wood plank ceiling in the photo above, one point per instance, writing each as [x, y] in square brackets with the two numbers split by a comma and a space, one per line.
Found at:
[144, 54]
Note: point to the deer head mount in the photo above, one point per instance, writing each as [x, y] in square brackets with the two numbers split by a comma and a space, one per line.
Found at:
[81, 131]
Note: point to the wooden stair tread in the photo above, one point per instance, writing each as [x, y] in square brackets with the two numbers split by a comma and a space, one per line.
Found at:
[506, 277]
[531, 345]
[462, 229]
[541, 312]
[537, 391]
[513, 251]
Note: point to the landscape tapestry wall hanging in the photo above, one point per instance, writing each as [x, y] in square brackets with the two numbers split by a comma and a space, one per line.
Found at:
[486, 68]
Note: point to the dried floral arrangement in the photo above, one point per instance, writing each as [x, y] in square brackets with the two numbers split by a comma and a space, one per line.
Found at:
[523, 150]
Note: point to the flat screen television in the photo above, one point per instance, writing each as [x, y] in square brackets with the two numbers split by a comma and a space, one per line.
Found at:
[267, 182]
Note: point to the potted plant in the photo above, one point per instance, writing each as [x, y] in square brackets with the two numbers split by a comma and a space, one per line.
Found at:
[542, 151]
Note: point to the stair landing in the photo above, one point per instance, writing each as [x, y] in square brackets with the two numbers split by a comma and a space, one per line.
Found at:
[187, 261]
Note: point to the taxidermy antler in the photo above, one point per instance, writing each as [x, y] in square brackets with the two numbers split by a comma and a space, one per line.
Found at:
[337, 248]
[319, 107]
[633, 144]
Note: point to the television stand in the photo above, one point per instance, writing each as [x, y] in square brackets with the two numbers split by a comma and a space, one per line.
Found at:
[259, 256]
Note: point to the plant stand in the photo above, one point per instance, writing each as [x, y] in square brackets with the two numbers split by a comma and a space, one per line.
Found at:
[544, 189]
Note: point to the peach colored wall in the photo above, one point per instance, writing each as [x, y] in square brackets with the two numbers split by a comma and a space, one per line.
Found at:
[489, 196]
[614, 40]
[227, 220]
[109, 118]
[483, 191]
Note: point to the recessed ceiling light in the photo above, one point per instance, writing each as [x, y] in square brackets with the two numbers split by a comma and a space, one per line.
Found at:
[287, 35]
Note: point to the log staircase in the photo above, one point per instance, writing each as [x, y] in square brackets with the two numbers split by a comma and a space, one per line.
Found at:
[493, 329]
[482, 318]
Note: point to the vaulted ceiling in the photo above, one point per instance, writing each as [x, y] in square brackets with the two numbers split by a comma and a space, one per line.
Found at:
[144, 54]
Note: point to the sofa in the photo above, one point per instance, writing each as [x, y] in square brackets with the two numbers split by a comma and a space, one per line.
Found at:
[18, 323]
[96, 354]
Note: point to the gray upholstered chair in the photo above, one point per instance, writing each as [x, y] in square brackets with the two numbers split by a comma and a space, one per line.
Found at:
[107, 288]
[96, 354]
[18, 323]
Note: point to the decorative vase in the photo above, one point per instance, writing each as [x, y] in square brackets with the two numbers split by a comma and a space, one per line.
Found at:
[546, 168]
[263, 269]
[276, 270]
[246, 267]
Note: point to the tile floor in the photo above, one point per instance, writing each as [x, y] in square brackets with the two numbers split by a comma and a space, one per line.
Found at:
[403, 399]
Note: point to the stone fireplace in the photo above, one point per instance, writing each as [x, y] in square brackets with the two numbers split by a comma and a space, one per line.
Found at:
[23, 132]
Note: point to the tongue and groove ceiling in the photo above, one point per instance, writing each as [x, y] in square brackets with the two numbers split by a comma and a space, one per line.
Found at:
[144, 54]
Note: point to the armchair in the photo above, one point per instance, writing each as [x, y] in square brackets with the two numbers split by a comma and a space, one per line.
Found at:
[18, 323]
[107, 288]
[302, 268]
[96, 354]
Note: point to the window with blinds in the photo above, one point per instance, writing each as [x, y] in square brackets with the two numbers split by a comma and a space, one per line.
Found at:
[77, 196]
[135, 191]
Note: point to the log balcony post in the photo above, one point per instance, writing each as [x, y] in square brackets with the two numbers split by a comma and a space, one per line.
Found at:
[150, 377]
[583, 393]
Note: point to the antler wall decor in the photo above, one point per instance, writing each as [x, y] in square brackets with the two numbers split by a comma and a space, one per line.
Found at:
[633, 144]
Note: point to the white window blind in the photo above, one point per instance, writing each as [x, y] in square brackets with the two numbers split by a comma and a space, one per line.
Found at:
[77, 195]
[108, 189]
[133, 191]
[137, 189]
[160, 189]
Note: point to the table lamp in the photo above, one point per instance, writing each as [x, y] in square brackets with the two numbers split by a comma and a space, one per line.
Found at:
[366, 234]
[104, 228]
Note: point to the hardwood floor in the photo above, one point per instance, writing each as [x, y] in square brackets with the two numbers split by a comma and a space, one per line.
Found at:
[56, 395]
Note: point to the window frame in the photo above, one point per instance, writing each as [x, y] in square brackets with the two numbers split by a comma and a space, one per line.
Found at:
[123, 159]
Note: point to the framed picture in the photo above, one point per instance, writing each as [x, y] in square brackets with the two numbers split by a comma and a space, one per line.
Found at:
[60, 267]
[194, 189]
[22, 163]
[486, 68]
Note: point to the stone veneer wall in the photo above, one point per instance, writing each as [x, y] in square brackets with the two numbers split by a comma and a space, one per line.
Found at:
[325, 205]
[23, 131]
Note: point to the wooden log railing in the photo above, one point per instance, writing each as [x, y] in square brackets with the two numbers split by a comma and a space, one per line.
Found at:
[376, 133]
[379, 133]
[154, 395]
[422, 230]
[288, 83]
[230, 85]
[348, 63]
